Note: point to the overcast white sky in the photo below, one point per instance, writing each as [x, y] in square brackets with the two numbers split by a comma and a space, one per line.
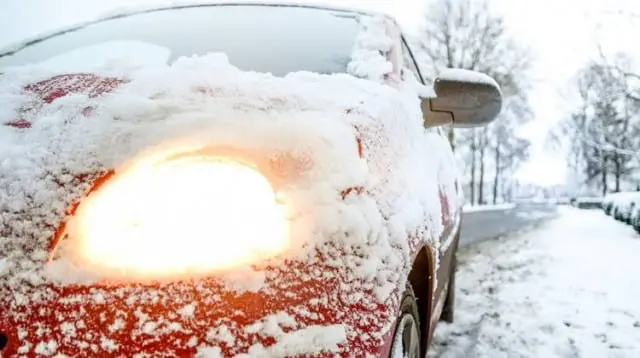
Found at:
[561, 33]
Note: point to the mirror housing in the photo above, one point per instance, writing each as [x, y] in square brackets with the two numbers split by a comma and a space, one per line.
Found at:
[464, 98]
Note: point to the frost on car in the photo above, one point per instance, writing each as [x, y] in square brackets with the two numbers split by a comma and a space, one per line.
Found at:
[303, 203]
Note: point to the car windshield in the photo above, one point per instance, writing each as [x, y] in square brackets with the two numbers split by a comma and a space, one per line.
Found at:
[273, 39]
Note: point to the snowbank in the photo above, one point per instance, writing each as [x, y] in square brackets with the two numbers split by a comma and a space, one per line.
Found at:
[460, 75]
[567, 289]
[498, 207]
[622, 198]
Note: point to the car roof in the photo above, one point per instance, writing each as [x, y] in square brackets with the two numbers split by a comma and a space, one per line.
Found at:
[16, 47]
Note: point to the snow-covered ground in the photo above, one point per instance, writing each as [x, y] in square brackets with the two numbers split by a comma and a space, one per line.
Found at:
[474, 208]
[570, 288]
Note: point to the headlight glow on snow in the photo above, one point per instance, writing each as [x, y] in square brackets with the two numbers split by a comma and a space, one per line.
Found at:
[180, 216]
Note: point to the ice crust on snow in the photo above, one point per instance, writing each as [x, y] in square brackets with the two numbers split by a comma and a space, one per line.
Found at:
[313, 120]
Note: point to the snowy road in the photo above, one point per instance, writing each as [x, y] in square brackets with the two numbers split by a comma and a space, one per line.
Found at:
[569, 288]
[483, 225]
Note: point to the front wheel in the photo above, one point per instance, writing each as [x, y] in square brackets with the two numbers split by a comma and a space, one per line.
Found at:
[407, 340]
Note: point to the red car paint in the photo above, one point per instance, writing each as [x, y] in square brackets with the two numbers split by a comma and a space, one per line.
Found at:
[143, 318]
[125, 319]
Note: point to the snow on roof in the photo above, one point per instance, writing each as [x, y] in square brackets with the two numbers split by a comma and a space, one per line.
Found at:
[623, 198]
[366, 61]
[65, 130]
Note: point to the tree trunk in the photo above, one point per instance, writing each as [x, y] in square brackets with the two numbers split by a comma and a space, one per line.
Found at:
[497, 175]
[504, 192]
[618, 172]
[452, 138]
[472, 182]
[604, 176]
[481, 178]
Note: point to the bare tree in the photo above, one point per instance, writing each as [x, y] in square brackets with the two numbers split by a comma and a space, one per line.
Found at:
[603, 130]
[483, 148]
[468, 34]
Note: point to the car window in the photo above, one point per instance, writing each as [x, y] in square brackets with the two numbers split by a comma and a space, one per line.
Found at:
[410, 62]
[275, 39]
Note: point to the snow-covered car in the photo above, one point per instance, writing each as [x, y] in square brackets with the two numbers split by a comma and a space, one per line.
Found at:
[562, 200]
[634, 218]
[608, 202]
[159, 201]
[623, 205]
[588, 202]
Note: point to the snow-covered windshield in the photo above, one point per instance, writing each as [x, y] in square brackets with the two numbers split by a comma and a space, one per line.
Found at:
[273, 39]
[119, 54]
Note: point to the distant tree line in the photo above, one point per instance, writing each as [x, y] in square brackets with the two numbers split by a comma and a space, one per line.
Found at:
[467, 34]
[602, 133]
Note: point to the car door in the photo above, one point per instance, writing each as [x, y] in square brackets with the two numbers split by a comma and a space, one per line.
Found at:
[449, 196]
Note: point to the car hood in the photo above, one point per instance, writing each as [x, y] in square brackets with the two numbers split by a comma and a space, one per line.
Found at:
[364, 203]
[300, 309]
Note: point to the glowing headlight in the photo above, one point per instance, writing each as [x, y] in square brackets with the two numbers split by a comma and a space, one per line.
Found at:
[184, 215]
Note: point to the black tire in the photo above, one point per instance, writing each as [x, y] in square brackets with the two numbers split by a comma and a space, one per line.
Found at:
[408, 326]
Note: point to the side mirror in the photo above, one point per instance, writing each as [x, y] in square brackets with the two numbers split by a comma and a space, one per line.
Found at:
[464, 99]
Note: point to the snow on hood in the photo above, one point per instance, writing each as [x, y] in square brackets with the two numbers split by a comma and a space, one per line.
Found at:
[321, 120]
[299, 114]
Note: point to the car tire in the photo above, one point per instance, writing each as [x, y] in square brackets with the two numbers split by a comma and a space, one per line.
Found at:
[407, 336]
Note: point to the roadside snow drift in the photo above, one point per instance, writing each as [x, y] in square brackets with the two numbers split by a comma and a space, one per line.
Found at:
[569, 288]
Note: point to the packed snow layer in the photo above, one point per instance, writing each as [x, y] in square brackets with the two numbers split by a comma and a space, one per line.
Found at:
[567, 289]
[622, 198]
[348, 158]
[461, 75]
[497, 207]
[366, 61]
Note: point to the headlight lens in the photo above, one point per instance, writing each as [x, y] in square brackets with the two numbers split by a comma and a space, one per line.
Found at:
[185, 215]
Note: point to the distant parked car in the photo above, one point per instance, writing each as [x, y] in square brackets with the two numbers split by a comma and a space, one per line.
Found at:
[588, 203]
[635, 218]
[625, 205]
[621, 205]
[607, 204]
[562, 200]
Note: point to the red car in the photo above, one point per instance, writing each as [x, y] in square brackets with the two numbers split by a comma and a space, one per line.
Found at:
[157, 201]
